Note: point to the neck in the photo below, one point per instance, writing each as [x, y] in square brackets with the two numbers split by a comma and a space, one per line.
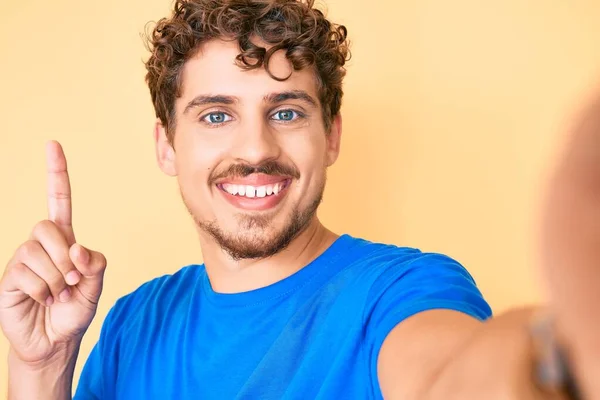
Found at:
[230, 276]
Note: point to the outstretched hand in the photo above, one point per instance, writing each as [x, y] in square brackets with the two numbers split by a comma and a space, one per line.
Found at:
[570, 249]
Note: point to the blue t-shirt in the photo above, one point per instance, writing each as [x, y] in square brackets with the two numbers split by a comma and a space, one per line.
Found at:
[313, 335]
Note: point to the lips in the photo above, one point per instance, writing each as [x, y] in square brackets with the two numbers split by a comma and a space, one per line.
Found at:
[255, 192]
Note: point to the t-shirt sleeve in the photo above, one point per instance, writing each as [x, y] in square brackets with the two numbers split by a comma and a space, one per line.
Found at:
[99, 373]
[90, 384]
[99, 376]
[427, 282]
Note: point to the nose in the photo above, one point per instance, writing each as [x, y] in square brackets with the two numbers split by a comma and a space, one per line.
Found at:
[256, 143]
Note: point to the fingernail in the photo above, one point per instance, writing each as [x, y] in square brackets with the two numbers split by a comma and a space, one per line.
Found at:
[64, 296]
[49, 301]
[72, 278]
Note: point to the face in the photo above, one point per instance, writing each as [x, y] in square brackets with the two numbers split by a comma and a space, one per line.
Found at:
[250, 153]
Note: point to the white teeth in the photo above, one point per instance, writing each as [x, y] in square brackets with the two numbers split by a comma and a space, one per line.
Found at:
[232, 189]
[253, 191]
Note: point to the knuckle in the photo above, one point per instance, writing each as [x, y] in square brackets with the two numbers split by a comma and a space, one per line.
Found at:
[29, 249]
[101, 261]
[43, 227]
[40, 291]
[19, 269]
[60, 194]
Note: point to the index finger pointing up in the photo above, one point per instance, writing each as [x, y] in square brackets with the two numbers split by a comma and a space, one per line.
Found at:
[59, 190]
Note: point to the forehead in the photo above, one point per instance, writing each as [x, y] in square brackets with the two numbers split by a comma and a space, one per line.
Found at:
[213, 71]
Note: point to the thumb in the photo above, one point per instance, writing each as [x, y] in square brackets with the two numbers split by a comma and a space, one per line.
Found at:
[91, 265]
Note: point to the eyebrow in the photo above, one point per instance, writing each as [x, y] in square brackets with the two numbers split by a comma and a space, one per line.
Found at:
[290, 95]
[203, 100]
[273, 98]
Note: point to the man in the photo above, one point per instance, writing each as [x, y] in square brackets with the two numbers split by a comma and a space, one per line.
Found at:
[247, 95]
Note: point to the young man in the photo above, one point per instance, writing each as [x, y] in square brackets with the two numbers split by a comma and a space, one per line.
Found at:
[247, 95]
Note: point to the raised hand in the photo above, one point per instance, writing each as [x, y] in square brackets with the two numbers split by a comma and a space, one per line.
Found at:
[50, 288]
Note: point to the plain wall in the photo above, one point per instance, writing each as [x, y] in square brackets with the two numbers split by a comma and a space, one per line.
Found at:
[451, 115]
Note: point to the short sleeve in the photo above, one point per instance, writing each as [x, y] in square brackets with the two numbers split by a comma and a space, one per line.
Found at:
[101, 366]
[427, 282]
[100, 375]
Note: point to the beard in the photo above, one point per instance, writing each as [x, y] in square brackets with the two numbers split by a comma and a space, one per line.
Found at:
[254, 240]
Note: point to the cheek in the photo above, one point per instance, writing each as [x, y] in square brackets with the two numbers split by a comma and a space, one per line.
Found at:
[198, 153]
[310, 160]
[310, 156]
[194, 169]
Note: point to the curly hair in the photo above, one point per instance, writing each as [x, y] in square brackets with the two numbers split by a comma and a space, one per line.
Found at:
[294, 26]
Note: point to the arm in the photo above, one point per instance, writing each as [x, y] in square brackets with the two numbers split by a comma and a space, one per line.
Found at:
[443, 354]
[52, 380]
[496, 359]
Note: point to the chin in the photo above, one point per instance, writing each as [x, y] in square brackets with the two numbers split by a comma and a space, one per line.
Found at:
[258, 235]
[253, 243]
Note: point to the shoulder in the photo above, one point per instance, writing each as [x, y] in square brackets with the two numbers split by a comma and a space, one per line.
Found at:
[405, 279]
[389, 261]
[163, 286]
[155, 294]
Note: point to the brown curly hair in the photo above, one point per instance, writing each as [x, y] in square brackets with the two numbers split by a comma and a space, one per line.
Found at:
[294, 26]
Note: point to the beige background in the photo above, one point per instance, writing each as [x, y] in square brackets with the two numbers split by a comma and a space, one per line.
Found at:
[452, 112]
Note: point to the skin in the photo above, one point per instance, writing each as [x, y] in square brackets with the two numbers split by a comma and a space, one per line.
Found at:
[569, 247]
[444, 355]
[252, 135]
[48, 296]
[433, 355]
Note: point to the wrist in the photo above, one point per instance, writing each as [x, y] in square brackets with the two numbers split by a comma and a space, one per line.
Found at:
[58, 358]
[49, 379]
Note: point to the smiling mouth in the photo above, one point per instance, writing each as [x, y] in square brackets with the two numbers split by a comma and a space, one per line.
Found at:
[254, 192]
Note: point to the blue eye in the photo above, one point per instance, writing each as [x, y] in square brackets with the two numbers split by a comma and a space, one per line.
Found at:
[286, 115]
[216, 118]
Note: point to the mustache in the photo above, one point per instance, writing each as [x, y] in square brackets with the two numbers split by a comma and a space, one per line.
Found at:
[267, 168]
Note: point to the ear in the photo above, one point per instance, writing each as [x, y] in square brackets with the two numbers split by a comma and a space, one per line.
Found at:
[334, 139]
[165, 154]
